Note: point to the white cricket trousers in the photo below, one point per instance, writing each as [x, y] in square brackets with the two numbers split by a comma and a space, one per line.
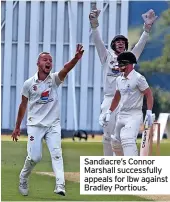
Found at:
[52, 137]
[109, 129]
[125, 135]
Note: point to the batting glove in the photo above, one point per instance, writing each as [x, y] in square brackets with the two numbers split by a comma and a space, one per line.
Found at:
[105, 118]
[149, 18]
[149, 117]
[93, 17]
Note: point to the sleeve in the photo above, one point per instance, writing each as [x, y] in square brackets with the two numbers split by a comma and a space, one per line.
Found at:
[25, 89]
[101, 49]
[142, 83]
[57, 79]
[137, 50]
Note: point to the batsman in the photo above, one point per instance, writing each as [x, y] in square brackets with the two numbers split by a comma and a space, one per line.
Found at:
[109, 63]
[130, 90]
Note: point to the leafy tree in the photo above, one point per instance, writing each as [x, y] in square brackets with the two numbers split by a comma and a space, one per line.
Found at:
[162, 63]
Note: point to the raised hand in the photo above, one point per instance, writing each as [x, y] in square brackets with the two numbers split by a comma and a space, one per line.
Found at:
[93, 17]
[79, 51]
[149, 17]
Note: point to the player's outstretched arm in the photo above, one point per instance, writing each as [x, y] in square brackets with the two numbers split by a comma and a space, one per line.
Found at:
[149, 18]
[21, 113]
[69, 65]
[101, 49]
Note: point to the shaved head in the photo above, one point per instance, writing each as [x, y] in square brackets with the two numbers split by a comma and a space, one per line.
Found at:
[42, 53]
[44, 62]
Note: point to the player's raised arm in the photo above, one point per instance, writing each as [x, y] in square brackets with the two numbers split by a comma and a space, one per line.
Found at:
[69, 65]
[21, 113]
[149, 18]
[101, 49]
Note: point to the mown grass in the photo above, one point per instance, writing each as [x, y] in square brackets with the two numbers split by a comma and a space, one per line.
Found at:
[41, 187]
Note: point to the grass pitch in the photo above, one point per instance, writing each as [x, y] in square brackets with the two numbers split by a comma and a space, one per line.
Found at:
[42, 186]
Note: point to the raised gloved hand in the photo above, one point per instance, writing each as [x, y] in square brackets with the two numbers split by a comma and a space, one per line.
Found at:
[149, 18]
[105, 118]
[93, 17]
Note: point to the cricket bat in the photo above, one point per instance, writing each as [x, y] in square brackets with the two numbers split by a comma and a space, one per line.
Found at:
[146, 138]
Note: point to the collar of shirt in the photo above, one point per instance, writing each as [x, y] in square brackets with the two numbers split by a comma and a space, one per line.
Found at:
[112, 52]
[36, 77]
[130, 75]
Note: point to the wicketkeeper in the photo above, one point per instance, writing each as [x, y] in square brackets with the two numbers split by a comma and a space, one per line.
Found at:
[109, 63]
[43, 119]
[130, 90]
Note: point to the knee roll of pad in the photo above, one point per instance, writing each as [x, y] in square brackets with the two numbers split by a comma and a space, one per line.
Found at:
[115, 142]
[129, 147]
[106, 139]
[117, 147]
[128, 141]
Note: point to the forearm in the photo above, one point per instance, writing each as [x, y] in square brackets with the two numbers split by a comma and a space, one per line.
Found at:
[114, 104]
[99, 44]
[21, 113]
[149, 99]
[67, 67]
[137, 50]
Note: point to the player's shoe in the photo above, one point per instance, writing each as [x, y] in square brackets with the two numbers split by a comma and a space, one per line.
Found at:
[60, 189]
[23, 186]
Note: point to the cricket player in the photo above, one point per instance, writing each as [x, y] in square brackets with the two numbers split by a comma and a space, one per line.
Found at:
[130, 90]
[108, 60]
[43, 120]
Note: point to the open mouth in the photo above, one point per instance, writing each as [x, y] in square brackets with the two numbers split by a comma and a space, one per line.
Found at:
[47, 66]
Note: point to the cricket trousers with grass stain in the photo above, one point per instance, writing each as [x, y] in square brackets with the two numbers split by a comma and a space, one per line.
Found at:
[52, 137]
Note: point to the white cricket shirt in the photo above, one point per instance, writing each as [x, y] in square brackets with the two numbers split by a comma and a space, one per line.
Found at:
[109, 60]
[43, 106]
[131, 91]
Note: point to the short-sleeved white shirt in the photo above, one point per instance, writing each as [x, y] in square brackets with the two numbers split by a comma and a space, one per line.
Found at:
[43, 106]
[131, 91]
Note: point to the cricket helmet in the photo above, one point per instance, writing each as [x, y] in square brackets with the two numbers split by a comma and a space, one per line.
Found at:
[116, 38]
[126, 58]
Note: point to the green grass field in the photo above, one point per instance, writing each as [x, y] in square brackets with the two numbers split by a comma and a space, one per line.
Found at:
[41, 187]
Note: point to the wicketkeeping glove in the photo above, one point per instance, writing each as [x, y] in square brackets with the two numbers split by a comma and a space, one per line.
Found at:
[149, 18]
[105, 118]
[93, 17]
